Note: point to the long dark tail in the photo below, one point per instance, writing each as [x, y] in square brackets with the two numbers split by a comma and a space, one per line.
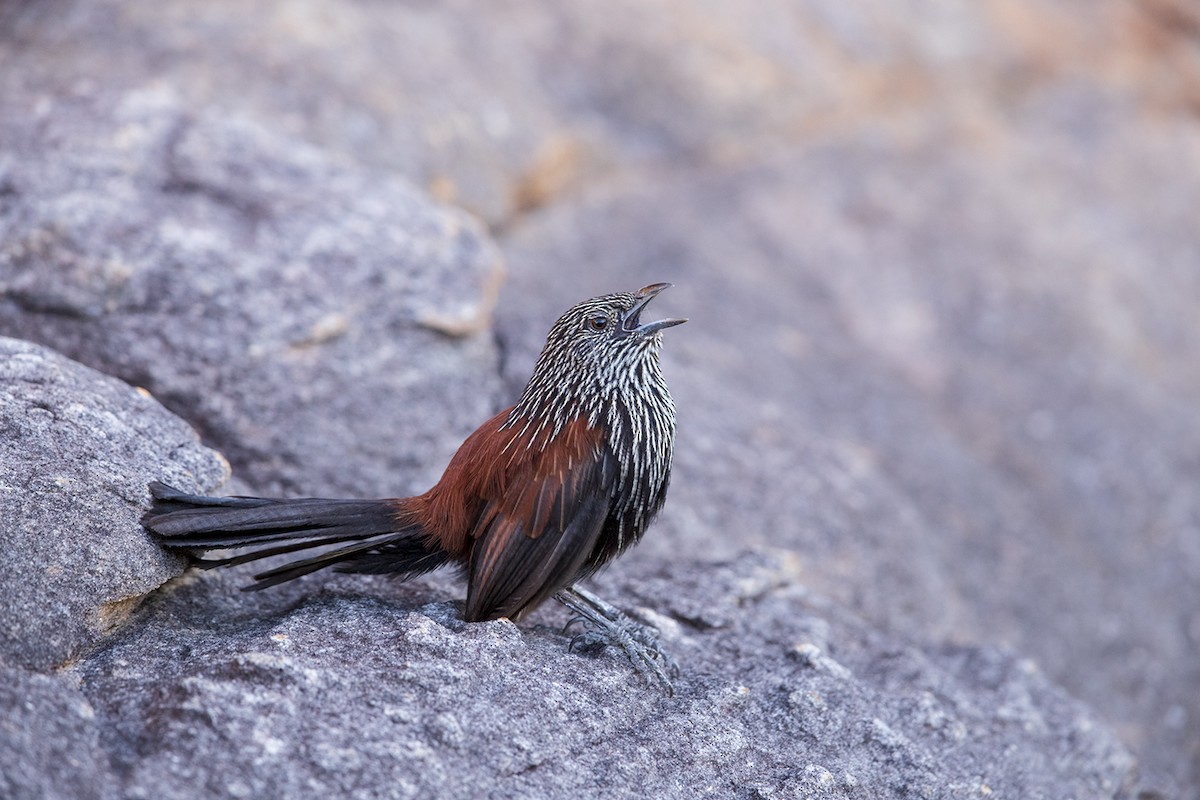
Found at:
[380, 539]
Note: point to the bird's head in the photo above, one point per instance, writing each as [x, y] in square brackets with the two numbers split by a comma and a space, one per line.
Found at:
[599, 348]
[608, 331]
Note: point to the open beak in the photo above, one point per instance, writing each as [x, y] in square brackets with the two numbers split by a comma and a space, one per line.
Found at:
[633, 323]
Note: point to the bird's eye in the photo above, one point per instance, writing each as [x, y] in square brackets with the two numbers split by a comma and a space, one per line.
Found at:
[598, 322]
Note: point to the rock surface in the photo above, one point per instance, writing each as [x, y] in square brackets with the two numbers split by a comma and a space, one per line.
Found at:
[362, 687]
[357, 689]
[945, 402]
[49, 741]
[940, 260]
[278, 299]
[76, 451]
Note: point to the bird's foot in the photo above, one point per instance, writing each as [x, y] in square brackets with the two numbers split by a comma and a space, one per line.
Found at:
[606, 625]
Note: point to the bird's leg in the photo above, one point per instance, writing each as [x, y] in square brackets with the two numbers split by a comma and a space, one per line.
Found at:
[608, 625]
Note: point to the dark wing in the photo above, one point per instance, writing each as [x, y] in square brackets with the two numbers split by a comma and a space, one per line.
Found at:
[533, 537]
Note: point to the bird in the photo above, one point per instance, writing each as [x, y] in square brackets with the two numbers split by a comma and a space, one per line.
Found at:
[541, 496]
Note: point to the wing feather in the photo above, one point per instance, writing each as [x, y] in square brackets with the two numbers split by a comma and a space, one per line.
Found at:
[532, 538]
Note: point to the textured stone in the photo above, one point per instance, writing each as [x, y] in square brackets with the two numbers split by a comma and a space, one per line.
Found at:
[295, 309]
[356, 692]
[506, 105]
[49, 741]
[939, 259]
[953, 384]
[76, 451]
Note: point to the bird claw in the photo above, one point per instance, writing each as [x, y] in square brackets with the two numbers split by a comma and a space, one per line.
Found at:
[589, 642]
[609, 626]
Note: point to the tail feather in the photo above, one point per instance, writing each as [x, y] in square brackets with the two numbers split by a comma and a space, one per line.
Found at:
[382, 540]
[190, 520]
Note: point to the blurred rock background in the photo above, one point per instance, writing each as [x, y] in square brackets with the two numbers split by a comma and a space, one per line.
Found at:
[941, 260]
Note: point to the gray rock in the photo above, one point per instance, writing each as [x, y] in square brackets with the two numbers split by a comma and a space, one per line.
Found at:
[76, 451]
[324, 327]
[357, 690]
[361, 687]
[49, 741]
[503, 107]
[939, 259]
[958, 397]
